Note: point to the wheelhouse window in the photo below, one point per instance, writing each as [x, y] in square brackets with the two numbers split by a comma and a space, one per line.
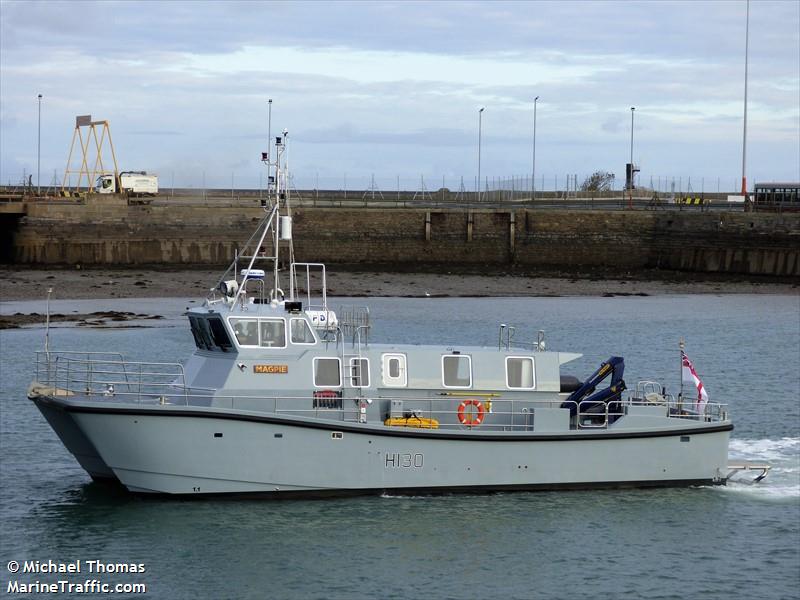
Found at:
[246, 331]
[520, 373]
[300, 332]
[210, 334]
[327, 372]
[273, 333]
[219, 335]
[457, 371]
[359, 372]
[394, 370]
[197, 333]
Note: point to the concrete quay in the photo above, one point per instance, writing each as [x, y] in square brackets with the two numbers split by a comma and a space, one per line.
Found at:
[103, 231]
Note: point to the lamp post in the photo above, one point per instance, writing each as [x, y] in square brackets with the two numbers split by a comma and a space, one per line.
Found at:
[269, 128]
[744, 133]
[39, 150]
[630, 183]
[533, 166]
[480, 124]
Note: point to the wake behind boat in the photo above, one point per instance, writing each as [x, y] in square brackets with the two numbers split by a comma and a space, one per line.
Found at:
[283, 396]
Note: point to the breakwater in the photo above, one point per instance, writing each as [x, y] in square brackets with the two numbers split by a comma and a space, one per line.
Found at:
[108, 231]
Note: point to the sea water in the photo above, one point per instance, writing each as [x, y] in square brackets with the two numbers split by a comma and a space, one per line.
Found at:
[738, 541]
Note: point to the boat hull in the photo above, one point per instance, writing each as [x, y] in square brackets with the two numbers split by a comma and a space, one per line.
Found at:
[75, 440]
[157, 450]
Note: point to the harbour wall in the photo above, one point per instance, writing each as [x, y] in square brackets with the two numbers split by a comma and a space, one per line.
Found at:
[110, 232]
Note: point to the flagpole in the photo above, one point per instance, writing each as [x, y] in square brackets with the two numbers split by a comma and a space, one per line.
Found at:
[682, 345]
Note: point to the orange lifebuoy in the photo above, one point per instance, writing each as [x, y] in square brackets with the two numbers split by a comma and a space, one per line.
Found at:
[473, 419]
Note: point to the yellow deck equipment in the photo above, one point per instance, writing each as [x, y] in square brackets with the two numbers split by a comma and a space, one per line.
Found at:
[418, 422]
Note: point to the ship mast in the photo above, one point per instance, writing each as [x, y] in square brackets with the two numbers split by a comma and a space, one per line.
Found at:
[282, 224]
[277, 188]
[276, 224]
[273, 226]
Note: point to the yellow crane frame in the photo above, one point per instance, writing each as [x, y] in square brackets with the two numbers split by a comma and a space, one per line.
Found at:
[85, 121]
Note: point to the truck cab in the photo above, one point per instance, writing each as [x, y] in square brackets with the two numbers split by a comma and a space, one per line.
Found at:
[106, 184]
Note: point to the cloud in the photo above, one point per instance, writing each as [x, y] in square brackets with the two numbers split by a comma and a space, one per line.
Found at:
[394, 87]
[154, 132]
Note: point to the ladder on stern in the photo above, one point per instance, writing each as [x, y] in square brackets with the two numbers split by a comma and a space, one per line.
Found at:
[762, 470]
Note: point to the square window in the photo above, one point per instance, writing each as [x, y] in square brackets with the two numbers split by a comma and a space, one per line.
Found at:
[273, 333]
[246, 331]
[520, 373]
[327, 372]
[457, 371]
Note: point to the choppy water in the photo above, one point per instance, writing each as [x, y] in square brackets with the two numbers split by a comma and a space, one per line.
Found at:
[741, 541]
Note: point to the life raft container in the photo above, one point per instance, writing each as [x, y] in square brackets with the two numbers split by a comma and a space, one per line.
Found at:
[471, 418]
[412, 421]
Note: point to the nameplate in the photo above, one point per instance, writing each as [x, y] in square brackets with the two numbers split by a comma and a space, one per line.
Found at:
[270, 369]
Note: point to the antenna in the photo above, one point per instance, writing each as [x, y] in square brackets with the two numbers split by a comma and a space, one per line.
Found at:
[265, 156]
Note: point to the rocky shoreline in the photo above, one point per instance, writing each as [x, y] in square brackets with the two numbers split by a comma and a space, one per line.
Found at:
[75, 284]
[104, 318]
[32, 284]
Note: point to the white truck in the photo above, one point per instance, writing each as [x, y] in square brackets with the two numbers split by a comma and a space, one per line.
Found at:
[132, 183]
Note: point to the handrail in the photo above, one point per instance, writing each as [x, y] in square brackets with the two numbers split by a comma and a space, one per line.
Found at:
[89, 376]
[357, 337]
[124, 381]
[293, 288]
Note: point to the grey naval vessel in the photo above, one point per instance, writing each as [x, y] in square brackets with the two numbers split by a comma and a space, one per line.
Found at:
[285, 397]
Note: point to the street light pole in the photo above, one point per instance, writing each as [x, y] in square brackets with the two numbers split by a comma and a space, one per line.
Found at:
[480, 124]
[39, 151]
[744, 134]
[269, 127]
[630, 183]
[533, 166]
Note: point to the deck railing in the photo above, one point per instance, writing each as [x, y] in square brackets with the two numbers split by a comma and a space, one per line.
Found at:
[108, 374]
[108, 377]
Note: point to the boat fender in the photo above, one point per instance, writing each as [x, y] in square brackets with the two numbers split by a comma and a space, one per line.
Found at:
[654, 398]
[474, 418]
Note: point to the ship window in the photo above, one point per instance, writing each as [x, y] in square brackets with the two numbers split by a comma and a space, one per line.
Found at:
[359, 372]
[301, 332]
[394, 370]
[273, 333]
[205, 333]
[327, 372]
[520, 374]
[197, 334]
[246, 331]
[221, 338]
[457, 371]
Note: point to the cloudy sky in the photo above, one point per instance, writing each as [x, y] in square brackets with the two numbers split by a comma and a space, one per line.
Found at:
[393, 89]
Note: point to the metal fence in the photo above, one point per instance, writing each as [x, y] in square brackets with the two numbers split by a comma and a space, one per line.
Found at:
[505, 187]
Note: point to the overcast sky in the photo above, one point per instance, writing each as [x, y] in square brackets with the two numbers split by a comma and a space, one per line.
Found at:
[393, 89]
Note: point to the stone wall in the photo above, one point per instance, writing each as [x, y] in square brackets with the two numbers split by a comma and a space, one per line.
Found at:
[111, 232]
